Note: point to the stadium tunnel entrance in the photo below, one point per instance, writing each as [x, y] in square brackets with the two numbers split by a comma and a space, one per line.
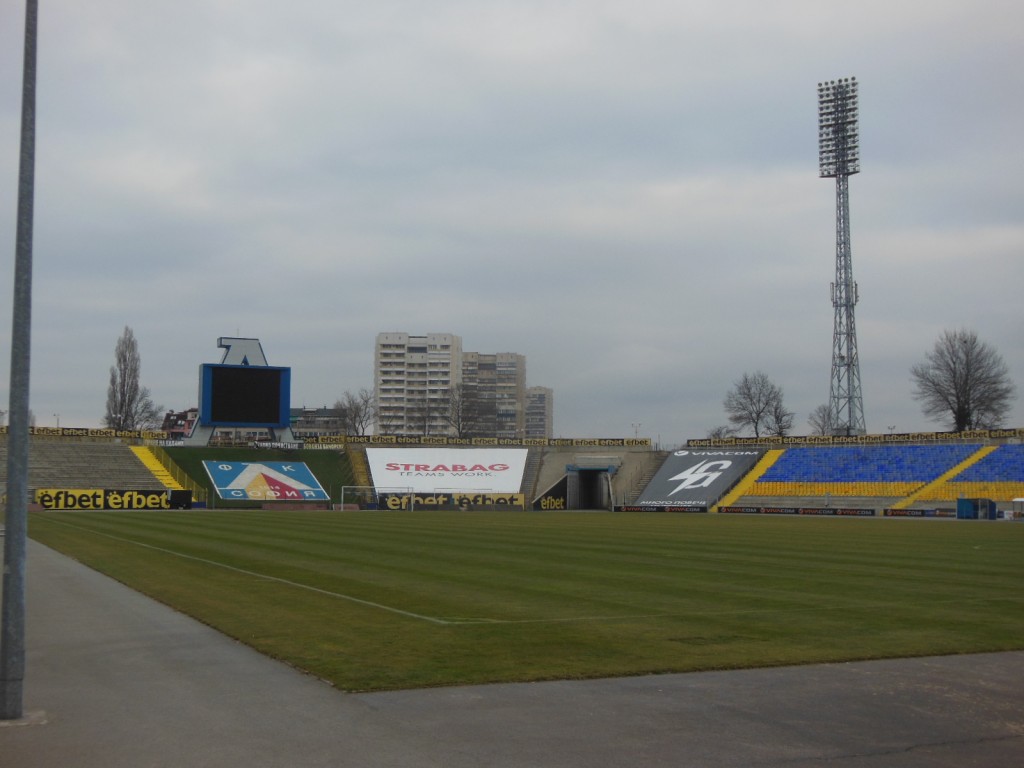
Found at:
[579, 488]
[589, 487]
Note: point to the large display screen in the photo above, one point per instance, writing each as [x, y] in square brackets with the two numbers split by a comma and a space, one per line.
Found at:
[244, 395]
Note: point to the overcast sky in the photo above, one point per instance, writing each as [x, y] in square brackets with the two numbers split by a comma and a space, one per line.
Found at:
[626, 193]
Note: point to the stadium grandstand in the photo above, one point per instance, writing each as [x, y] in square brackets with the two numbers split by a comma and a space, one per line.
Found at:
[74, 463]
[887, 471]
[933, 473]
[887, 476]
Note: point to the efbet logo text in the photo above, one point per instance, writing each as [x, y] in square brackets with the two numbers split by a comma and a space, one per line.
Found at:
[98, 498]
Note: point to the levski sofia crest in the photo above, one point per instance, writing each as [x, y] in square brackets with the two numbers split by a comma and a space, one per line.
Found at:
[264, 481]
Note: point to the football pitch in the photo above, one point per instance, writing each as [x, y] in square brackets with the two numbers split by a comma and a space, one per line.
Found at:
[387, 600]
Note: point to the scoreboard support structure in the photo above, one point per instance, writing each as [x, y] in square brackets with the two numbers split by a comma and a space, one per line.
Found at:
[241, 354]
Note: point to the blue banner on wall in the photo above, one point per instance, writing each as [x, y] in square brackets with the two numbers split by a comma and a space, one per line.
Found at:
[264, 481]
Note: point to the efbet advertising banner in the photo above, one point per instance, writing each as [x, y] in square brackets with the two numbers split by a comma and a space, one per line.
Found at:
[106, 498]
[264, 481]
[697, 478]
[452, 501]
[426, 470]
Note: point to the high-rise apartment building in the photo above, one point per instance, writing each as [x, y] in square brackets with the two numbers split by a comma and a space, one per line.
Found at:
[413, 376]
[540, 408]
[426, 385]
[497, 386]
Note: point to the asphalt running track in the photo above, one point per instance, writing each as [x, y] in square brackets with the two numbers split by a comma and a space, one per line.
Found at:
[116, 680]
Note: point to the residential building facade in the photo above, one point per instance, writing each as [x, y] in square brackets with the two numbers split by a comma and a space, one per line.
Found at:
[540, 409]
[317, 422]
[413, 376]
[427, 385]
[497, 384]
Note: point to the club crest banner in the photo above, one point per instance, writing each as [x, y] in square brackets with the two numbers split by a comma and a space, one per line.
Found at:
[264, 481]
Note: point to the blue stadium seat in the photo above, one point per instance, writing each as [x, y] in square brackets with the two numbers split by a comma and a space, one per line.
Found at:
[867, 464]
[1005, 464]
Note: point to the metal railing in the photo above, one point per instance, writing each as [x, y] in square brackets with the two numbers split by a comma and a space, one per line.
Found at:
[198, 492]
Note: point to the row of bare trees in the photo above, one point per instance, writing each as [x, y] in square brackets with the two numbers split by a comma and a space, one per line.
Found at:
[963, 383]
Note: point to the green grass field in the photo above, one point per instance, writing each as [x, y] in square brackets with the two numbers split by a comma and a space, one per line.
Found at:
[378, 600]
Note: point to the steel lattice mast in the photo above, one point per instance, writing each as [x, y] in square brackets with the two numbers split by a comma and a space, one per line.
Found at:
[839, 158]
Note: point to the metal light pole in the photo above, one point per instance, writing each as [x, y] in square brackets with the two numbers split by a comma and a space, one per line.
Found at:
[12, 629]
[839, 158]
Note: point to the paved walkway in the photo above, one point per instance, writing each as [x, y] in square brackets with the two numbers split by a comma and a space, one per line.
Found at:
[115, 679]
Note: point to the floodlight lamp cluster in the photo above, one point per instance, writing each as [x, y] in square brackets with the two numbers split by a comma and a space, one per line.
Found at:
[838, 141]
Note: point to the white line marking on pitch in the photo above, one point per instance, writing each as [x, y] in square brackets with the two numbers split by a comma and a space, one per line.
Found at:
[468, 621]
[264, 576]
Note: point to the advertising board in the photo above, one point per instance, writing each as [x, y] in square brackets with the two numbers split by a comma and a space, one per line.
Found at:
[427, 470]
[451, 501]
[108, 498]
[264, 481]
[693, 478]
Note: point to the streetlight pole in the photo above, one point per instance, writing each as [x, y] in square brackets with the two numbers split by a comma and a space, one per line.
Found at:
[12, 622]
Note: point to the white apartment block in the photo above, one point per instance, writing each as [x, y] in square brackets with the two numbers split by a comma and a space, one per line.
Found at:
[415, 378]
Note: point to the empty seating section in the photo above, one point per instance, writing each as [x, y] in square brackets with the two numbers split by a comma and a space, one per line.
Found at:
[871, 470]
[832, 489]
[71, 464]
[1000, 475]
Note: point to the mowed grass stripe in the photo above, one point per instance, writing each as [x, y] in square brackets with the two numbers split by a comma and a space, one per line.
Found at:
[568, 576]
[251, 553]
[254, 574]
[537, 596]
[455, 563]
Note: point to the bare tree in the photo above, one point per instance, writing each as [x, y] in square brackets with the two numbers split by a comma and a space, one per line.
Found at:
[755, 402]
[818, 420]
[780, 420]
[963, 382]
[721, 432]
[419, 413]
[357, 413]
[464, 413]
[129, 406]
[385, 419]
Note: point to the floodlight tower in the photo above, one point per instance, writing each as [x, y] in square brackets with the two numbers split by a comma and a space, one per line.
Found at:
[839, 158]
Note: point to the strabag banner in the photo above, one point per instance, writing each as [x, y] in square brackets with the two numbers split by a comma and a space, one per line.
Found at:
[691, 478]
[264, 481]
[427, 470]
